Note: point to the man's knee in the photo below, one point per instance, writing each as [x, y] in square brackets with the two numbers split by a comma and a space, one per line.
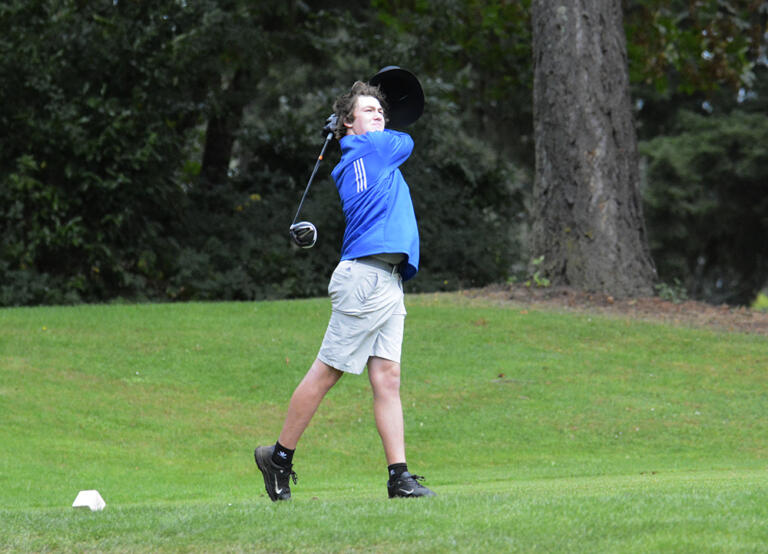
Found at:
[322, 376]
[384, 375]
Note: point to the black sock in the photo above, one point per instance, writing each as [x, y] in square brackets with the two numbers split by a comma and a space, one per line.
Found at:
[396, 470]
[282, 456]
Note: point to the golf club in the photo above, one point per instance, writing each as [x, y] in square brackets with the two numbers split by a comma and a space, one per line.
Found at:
[304, 233]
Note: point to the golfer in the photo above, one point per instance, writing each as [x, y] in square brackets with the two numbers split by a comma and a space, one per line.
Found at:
[379, 252]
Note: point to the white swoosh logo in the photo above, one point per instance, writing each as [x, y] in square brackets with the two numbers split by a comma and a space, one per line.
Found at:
[405, 491]
[278, 490]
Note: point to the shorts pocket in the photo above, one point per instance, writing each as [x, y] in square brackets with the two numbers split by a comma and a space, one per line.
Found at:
[366, 287]
[352, 289]
[340, 279]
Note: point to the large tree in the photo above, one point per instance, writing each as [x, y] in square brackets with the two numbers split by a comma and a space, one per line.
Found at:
[587, 222]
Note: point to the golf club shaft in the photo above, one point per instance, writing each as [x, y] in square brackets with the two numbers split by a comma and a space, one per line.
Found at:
[317, 164]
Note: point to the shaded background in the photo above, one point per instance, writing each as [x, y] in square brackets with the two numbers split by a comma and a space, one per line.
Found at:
[158, 151]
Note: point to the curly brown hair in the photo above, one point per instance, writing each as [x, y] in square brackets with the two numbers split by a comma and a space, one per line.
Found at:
[344, 107]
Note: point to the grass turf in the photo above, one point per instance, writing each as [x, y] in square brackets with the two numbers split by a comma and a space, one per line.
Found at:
[539, 431]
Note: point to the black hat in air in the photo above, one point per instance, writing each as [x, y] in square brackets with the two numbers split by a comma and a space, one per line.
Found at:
[405, 98]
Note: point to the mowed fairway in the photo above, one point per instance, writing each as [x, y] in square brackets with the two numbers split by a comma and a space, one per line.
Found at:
[540, 431]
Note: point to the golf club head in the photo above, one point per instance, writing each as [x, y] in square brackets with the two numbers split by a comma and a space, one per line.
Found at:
[405, 97]
[304, 234]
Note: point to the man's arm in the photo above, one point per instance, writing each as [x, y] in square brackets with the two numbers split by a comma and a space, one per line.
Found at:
[393, 146]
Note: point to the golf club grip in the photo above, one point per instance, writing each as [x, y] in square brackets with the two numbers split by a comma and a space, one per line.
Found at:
[312, 176]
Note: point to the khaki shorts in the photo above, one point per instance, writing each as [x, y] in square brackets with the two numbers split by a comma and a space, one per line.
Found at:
[367, 315]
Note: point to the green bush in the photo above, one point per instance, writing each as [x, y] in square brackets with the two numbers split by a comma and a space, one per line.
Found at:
[87, 163]
[706, 202]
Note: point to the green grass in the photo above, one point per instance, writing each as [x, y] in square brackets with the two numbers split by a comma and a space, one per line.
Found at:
[540, 431]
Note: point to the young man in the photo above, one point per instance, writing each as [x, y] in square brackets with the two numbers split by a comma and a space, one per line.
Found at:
[380, 250]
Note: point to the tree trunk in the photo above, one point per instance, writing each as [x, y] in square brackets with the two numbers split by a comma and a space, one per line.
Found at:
[587, 222]
[222, 129]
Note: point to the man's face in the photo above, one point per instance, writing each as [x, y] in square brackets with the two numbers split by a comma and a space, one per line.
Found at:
[368, 116]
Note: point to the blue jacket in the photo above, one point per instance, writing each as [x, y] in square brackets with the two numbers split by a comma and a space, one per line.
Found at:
[376, 199]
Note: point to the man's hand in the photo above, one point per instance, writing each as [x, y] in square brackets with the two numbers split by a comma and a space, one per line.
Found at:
[330, 124]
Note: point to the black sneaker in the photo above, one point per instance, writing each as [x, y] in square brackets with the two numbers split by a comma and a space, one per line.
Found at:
[276, 478]
[408, 486]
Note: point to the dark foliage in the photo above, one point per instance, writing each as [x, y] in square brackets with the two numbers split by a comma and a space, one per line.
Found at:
[158, 150]
[706, 205]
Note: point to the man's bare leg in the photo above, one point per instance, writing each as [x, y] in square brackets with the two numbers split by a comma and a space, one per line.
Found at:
[303, 405]
[388, 411]
[387, 408]
[305, 401]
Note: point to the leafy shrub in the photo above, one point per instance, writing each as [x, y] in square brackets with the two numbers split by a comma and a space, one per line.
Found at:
[101, 193]
[706, 202]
